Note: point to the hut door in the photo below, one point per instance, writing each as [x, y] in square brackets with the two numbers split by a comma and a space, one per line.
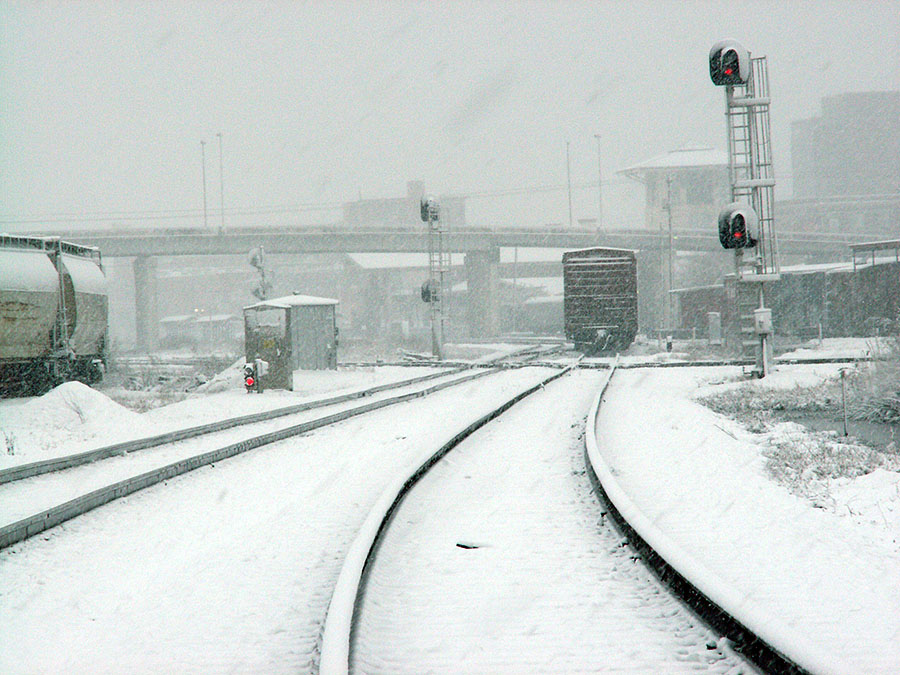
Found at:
[271, 346]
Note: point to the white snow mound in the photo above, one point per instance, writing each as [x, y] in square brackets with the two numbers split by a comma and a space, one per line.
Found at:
[230, 378]
[70, 406]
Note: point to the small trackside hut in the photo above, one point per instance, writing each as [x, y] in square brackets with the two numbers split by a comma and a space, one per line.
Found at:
[291, 333]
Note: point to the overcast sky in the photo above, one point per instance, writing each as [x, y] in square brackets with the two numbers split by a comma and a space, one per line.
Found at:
[104, 105]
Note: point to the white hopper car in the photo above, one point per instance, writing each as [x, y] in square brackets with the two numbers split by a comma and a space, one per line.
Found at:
[53, 314]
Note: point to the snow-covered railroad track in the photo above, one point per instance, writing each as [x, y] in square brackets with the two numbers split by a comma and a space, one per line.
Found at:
[496, 560]
[30, 506]
[760, 639]
[32, 469]
[22, 471]
[229, 568]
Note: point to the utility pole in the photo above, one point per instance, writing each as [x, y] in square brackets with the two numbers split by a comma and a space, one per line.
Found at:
[569, 181]
[599, 186]
[669, 308]
[221, 186]
[203, 157]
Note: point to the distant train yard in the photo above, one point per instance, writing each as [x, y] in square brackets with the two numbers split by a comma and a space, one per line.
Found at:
[403, 338]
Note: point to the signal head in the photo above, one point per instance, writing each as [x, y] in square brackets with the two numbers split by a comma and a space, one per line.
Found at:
[429, 208]
[736, 224]
[729, 63]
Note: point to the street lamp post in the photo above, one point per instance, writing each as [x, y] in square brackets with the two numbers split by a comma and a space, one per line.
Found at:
[203, 159]
[670, 309]
[569, 182]
[599, 186]
[221, 186]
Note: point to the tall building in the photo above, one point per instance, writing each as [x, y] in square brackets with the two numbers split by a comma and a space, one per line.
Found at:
[846, 168]
[851, 149]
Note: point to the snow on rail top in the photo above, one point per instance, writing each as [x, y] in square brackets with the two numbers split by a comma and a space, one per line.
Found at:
[294, 301]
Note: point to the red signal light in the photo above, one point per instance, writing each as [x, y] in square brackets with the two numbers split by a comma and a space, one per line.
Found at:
[729, 71]
[249, 381]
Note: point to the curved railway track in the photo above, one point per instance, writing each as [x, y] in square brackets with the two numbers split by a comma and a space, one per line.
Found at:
[707, 597]
[32, 476]
[31, 469]
[336, 632]
[228, 567]
[345, 606]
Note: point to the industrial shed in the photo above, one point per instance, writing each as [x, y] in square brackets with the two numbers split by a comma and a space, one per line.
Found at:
[295, 332]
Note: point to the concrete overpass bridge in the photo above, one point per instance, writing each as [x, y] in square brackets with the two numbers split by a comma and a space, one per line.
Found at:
[480, 245]
[344, 239]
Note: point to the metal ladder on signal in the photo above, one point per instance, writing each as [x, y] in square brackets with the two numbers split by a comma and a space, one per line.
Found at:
[752, 182]
[438, 271]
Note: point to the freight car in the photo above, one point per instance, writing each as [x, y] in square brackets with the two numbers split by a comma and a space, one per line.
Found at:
[53, 314]
[600, 299]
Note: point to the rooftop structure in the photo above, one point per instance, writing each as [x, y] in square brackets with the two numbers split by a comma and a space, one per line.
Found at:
[691, 181]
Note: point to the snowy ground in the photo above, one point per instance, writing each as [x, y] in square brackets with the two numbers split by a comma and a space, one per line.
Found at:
[651, 352]
[544, 584]
[24, 498]
[228, 568]
[841, 348]
[827, 580]
[74, 418]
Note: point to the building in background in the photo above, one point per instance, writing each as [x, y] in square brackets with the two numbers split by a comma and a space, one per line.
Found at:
[403, 211]
[692, 181]
[846, 167]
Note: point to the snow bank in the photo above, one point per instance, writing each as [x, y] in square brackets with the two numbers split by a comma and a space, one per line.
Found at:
[839, 348]
[62, 421]
[72, 405]
[820, 583]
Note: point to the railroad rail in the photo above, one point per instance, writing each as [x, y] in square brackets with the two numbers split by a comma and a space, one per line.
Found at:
[757, 641]
[759, 647]
[24, 528]
[335, 652]
[31, 469]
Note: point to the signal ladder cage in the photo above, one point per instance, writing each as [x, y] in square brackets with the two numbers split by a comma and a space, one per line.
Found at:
[438, 271]
[750, 165]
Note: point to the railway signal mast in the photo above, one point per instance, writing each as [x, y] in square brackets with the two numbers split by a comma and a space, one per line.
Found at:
[433, 292]
[749, 221]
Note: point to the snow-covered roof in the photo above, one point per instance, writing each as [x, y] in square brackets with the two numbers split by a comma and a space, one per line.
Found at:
[604, 248]
[293, 301]
[550, 285]
[683, 158]
[212, 318]
[811, 268]
[544, 300]
[688, 289]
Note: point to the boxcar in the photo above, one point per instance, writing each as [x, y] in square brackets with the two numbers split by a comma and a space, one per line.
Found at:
[600, 299]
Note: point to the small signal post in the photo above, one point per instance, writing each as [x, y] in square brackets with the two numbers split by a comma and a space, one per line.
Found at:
[433, 291]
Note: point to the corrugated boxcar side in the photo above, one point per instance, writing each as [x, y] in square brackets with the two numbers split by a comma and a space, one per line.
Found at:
[600, 289]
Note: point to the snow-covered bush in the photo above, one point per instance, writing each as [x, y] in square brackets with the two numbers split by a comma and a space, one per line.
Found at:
[804, 460]
[876, 393]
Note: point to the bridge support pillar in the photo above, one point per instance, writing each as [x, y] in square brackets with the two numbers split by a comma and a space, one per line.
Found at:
[652, 293]
[483, 281]
[146, 304]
